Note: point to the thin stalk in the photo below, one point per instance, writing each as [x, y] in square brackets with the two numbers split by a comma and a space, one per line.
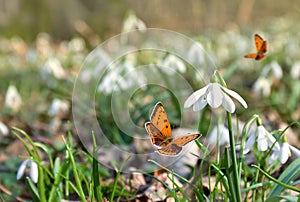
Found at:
[277, 181]
[75, 173]
[234, 160]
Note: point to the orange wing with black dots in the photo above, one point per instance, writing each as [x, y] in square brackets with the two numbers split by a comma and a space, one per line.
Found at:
[181, 141]
[261, 48]
[157, 138]
[159, 130]
[171, 149]
[160, 120]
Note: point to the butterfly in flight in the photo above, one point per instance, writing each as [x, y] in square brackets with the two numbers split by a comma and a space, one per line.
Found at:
[261, 47]
[160, 132]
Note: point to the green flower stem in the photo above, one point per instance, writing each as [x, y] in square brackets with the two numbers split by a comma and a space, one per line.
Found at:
[75, 173]
[244, 137]
[234, 160]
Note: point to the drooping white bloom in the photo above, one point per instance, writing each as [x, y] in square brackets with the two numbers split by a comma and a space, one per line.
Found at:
[57, 106]
[77, 44]
[294, 151]
[173, 62]
[13, 99]
[3, 129]
[215, 95]
[121, 77]
[53, 67]
[263, 138]
[283, 154]
[275, 68]
[34, 173]
[219, 133]
[132, 22]
[262, 86]
[295, 70]
[196, 54]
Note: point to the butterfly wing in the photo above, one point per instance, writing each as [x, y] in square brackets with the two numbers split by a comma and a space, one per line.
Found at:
[156, 137]
[171, 149]
[181, 141]
[263, 48]
[260, 56]
[160, 120]
[251, 55]
[258, 42]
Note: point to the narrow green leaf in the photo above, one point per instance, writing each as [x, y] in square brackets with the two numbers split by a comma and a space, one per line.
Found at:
[280, 198]
[33, 190]
[288, 175]
[95, 171]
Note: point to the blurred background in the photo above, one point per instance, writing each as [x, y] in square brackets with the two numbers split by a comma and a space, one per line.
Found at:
[61, 19]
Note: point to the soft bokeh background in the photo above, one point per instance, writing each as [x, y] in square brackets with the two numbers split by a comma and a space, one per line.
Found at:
[59, 18]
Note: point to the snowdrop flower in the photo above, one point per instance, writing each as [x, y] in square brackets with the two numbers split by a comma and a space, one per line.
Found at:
[262, 86]
[3, 129]
[295, 70]
[295, 151]
[275, 68]
[132, 22]
[77, 44]
[263, 138]
[215, 95]
[173, 62]
[57, 106]
[34, 174]
[43, 44]
[13, 99]
[219, 132]
[53, 67]
[121, 77]
[284, 152]
[196, 54]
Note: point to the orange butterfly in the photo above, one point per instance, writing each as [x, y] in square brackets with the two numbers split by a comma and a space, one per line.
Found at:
[159, 129]
[261, 47]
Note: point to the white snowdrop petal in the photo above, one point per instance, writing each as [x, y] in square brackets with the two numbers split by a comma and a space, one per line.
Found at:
[228, 104]
[221, 132]
[262, 86]
[21, 169]
[195, 96]
[295, 151]
[284, 153]
[249, 143]
[271, 141]
[273, 157]
[262, 144]
[200, 104]
[277, 70]
[3, 129]
[215, 96]
[236, 96]
[34, 172]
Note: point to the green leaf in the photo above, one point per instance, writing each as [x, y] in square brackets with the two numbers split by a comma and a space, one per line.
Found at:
[280, 198]
[95, 171]
[288, 175]
[33, 190]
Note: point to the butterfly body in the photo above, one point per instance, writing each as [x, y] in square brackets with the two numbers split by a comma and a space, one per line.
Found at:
[261, 47]
[159, 130]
